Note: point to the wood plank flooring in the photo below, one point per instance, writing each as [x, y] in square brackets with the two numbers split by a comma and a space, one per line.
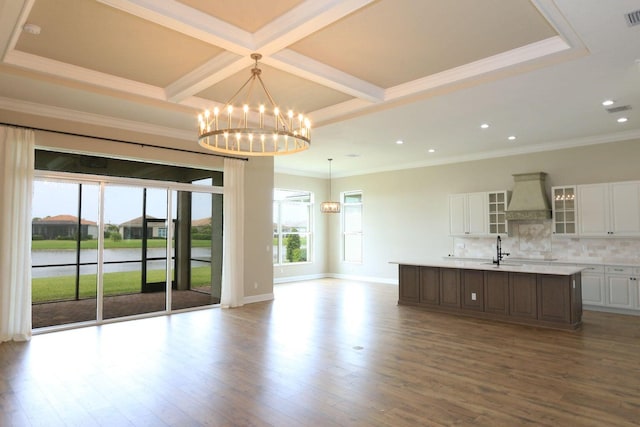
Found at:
[325, 353]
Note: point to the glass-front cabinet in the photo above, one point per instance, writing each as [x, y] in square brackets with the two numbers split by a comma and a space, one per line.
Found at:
[497, 208]
[564, 210]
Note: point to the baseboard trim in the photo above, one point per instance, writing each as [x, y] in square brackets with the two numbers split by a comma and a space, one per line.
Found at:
[299, 278]
[613, 310]
[393, 281]
[258, 298]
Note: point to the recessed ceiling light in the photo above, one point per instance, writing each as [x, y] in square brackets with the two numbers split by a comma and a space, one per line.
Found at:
[608, 102]
[484, 125]
[399, 142]
[511, 138]
[622, 119]
[431, 150]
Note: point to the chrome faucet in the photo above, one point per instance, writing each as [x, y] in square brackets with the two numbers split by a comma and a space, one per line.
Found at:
[499, 253]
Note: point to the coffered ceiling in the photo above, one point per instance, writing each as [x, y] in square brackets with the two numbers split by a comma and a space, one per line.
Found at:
[368, 73]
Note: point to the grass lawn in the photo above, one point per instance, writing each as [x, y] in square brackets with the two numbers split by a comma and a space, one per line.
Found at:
[48, 289]
[39, 245]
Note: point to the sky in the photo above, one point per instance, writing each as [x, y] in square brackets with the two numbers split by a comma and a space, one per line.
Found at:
[121, 203]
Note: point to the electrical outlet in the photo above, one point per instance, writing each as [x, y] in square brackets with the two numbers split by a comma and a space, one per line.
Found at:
[473, 296]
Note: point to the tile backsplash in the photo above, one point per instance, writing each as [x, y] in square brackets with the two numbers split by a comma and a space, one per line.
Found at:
[534, 240]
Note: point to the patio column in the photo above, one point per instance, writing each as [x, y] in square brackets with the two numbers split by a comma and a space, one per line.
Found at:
[216, 240]
[183, 241]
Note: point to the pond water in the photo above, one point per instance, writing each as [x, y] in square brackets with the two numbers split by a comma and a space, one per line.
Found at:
[53, 257]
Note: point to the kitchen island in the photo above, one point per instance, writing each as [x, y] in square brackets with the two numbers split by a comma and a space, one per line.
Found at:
[541, 295]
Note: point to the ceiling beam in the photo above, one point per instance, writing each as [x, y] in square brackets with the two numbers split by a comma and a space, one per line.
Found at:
[193, 23]
[317, 72]
[13, 15]
[84, 75]
[271, 40]
[213, 71]
[301, 21]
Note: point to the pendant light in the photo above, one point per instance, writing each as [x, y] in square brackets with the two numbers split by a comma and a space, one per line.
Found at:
[330, 207]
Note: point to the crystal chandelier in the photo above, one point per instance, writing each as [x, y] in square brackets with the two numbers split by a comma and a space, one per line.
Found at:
[254, 130]
[330, 207]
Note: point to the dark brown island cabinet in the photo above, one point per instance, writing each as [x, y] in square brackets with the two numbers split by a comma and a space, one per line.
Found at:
[540, 299]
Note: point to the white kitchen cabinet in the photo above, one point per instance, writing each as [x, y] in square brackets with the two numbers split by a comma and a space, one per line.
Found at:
[621, 287]
[625, 208]
[594, 207]
[497, 208]
[564, 210]
[593, 286]
[478, 214]
[609, 209]
[468, 214]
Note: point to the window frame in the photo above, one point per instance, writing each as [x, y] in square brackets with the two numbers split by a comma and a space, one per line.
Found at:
[343, 221]
[278, 234]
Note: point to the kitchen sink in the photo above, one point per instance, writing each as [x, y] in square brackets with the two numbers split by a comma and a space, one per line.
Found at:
[507, 263]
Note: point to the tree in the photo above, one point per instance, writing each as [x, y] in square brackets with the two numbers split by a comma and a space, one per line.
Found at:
[293, 246]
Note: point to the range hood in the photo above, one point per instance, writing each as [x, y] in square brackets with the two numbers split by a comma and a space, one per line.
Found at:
[529, 198]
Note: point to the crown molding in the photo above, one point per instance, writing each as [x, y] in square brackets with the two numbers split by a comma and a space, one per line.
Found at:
[529, 149]
[490, 64]
[84, 75]
[557, 20]
[60, 113]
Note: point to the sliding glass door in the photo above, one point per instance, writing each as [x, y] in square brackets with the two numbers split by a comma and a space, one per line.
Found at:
[198, 240]
[135, 257]
[117, 248]
[64, 252]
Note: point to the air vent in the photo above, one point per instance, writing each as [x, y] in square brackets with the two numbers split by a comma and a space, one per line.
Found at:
[619, 109]
[633, 18]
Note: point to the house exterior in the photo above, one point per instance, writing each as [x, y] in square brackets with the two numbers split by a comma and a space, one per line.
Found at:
[63, 227]
[132, 229]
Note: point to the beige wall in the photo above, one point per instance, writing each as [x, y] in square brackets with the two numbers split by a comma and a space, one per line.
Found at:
[406, 212]
[258, 206]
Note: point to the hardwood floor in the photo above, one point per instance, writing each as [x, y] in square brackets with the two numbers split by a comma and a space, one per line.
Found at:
[325, 353]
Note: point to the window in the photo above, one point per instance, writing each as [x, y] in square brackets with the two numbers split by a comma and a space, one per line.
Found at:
[352, 226]
[291, 226]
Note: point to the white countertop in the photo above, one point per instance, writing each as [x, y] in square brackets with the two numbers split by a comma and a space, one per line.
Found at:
[511, 266]
[619, 262]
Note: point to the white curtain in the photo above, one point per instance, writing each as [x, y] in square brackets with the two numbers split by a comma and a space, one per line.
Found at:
[232, 294]
[16, 183]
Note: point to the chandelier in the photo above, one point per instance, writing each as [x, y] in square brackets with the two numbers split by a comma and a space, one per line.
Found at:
[254, 130]
[330, 207]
